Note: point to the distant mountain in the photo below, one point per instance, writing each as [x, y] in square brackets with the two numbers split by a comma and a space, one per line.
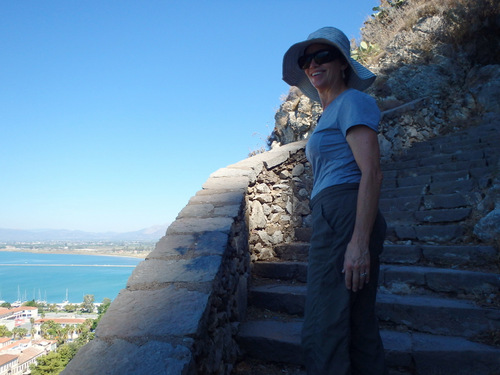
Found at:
[46, 235]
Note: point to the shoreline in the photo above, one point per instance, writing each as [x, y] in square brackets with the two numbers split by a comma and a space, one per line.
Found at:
[123, 254]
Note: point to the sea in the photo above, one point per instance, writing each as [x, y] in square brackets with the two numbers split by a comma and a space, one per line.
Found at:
[56, 278]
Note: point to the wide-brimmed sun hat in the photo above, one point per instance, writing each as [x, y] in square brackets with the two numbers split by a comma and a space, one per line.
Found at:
[359, 78]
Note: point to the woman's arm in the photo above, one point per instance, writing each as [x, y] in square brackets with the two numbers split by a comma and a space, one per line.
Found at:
[363, 142]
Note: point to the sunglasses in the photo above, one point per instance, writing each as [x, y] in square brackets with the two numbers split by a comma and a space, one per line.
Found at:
[320, 57]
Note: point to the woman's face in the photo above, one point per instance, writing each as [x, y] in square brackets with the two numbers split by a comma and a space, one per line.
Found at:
[326, 76]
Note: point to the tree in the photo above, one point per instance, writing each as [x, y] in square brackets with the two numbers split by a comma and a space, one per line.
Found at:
[50, 364]
[54, 362]
[103, 307]
[4, 332]
[32, 329]
[70, 308]
[19, 332]
[6, 304]
[88, 303]
[50, 329]
[30, 303]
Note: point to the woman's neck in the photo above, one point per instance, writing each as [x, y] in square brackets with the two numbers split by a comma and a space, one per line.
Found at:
[329, 96]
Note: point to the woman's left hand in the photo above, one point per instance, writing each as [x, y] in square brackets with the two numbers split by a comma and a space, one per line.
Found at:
[356, 266]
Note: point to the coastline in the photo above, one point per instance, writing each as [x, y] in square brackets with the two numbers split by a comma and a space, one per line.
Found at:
[127, 254]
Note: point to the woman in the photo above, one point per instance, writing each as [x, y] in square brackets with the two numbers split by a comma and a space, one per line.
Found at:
[340, 334]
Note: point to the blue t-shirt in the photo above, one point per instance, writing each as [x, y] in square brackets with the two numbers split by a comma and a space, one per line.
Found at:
[327, 149]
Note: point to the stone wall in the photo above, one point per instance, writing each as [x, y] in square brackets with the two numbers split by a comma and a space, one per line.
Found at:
[278, 203]
[179, 312]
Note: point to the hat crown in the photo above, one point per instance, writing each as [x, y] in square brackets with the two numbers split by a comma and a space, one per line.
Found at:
[333, 35]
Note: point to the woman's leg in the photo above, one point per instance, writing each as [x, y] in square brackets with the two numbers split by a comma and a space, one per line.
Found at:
[367, 351]
[326, 331]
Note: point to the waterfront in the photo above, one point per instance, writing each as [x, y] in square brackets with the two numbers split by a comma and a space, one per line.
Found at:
[57, 277]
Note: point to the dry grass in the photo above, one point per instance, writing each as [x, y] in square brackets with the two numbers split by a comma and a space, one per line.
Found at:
[462, 18]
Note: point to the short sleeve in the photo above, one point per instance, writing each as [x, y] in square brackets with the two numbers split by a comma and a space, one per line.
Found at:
[358, 108]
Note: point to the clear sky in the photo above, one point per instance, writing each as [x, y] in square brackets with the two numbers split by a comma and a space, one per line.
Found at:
[114, 113]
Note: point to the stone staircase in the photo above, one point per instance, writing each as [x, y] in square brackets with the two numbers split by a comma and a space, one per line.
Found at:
[439, 299]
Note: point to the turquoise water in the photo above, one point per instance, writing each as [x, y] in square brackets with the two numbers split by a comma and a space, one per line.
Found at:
[51, 276]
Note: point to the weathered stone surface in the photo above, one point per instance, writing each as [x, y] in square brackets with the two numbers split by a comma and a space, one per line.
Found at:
[145, 314]
[121, 357]
[402, 254]
[196, 210]
[434, 355]
[456, 318]
[443, 216]
[234, 172]
[208, 196]
[488, 228]
[198, 225]
[154, 272]
[458, 255]
[173, 246]
[257, 217]
[226, 183]
[484, 84]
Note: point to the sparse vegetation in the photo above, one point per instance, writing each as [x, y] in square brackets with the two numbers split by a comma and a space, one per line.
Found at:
[394, 17]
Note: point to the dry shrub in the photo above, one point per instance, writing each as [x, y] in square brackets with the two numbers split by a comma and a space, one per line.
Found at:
[463, 19]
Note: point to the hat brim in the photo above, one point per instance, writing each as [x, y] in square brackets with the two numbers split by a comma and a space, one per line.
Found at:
[360, 77]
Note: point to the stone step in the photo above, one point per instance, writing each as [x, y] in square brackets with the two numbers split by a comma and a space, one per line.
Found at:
[442, 233]
[442, 216]
[460, 283]
[296, 251]
[456, 144]
[427, 314]
[423, 354]
[442, 255]
[415, 167]
[414, 186]
[423, 202]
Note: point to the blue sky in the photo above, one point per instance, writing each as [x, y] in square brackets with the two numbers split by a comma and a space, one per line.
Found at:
[114, 113]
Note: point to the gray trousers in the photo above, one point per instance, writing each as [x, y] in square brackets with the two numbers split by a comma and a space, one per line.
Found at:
[340, 334]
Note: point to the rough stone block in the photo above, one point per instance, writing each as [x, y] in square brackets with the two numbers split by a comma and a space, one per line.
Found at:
[414, 181]
[197, 210]
[467, 282]
[218, 199]
[438, 233]
[450, 187]
[456, 255]
[194, 225]
[455, 317]
[226, 183]
[234, 172]
[122, 357]
[275, 159]
[436, 355]
[211, 243]
[444, 201]
[145, 314]
[153, 272]
[407, 274]
[442, 216]
[401, 254]
[398, 347]
[405, 232]
[173, 246]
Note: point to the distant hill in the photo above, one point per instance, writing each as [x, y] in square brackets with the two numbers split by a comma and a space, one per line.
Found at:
[47, 235]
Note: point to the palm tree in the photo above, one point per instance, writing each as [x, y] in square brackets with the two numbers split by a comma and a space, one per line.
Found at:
[32, 330]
